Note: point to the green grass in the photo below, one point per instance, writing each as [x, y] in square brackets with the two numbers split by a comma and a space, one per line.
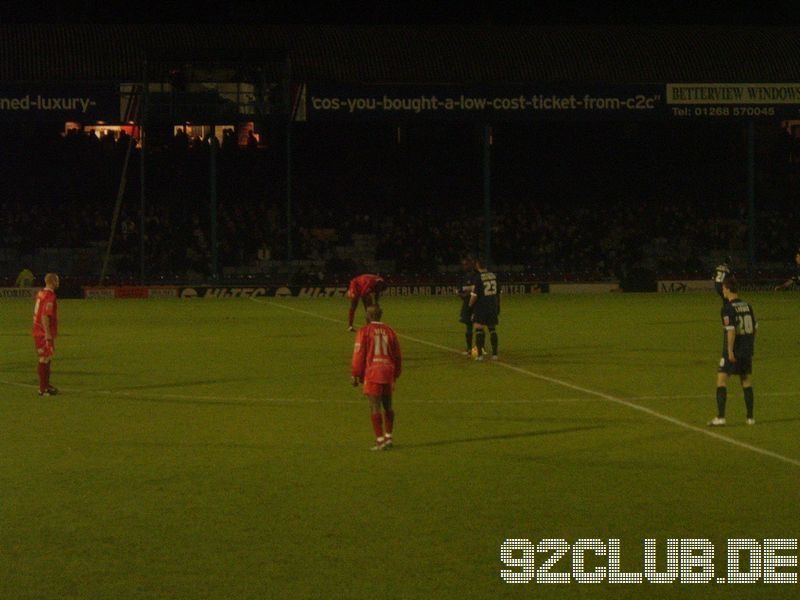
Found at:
[216, 448]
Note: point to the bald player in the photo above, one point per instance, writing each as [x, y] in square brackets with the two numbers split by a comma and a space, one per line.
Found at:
[45, 330]
[377, 364]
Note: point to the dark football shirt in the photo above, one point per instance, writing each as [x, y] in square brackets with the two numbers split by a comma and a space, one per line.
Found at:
[466, 290]
[487, 290]
[739, 315]
[721, 273]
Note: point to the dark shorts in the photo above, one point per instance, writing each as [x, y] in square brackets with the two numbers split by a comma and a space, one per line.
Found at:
[742, 366]
[484, 316]
[466, 315]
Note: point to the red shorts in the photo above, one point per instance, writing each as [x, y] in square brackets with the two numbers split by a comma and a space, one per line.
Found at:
[378, 389]
[43, 349]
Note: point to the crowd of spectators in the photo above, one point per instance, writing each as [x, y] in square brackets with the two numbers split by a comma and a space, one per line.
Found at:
[588, 218]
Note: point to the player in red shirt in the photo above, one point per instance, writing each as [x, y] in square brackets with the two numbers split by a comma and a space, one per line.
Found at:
[368, 289]
[45, 330]
[377, 363]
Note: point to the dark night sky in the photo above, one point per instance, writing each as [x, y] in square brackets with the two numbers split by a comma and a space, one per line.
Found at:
[548, 12]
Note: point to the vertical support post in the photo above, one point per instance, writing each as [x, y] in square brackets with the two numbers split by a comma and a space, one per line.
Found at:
[212, 153]
[142, 162]
[123, 184]
[289, 189]
[751, 195]
[487, 192]
[288, 107]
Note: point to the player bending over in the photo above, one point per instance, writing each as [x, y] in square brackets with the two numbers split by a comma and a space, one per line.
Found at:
[485, 304]
[45, 330]
[377, 364]
[738, 343]
[366, 288]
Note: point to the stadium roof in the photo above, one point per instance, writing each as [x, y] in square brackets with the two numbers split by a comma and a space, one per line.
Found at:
[420, 54]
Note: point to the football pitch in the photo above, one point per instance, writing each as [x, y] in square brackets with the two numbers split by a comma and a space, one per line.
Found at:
[208, 449]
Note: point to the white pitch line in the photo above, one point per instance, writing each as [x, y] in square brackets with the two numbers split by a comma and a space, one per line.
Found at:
[696, 396]
[255, 400]
[135, 394]
[31, 351]
[584, 390]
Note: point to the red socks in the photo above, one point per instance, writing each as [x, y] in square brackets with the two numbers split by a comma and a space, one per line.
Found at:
[388, 419]
[43, 376]
[351, 315]
[377, 425]
[47, 374]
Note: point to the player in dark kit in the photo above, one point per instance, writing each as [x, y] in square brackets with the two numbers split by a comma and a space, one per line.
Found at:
[485, 304]
[468, 264]
[795, 280]
[738, 344]
[721, 273]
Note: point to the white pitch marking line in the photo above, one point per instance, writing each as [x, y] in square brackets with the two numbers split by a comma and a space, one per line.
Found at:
[256, 400]
[31, 351]
[695, 396]
[134, 394]
[584, 390]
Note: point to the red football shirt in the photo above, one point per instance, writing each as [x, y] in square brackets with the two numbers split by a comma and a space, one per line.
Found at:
[363, 284]
[376, 355]
[46, 304]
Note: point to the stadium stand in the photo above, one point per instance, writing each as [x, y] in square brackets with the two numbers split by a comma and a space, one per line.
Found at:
[406, 199]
